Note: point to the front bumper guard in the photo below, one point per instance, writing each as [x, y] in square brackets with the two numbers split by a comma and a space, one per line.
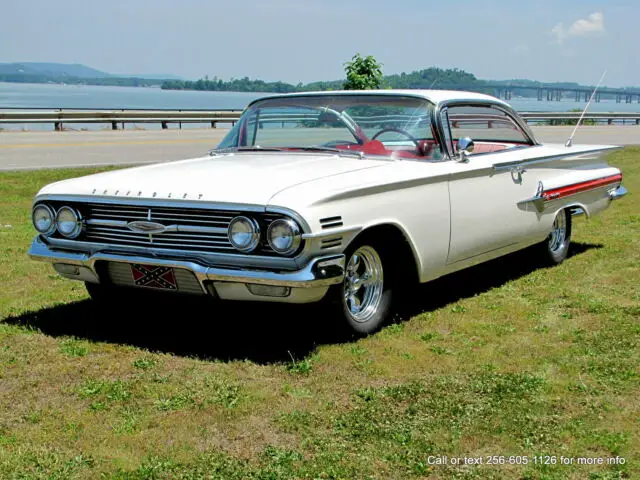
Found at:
[319, 272]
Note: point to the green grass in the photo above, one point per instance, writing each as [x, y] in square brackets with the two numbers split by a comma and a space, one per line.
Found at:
[503, 359]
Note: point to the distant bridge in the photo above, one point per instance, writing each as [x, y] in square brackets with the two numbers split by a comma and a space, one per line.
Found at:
[549, 93]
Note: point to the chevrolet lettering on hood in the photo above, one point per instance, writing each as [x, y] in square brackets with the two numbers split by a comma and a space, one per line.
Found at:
[344, 197]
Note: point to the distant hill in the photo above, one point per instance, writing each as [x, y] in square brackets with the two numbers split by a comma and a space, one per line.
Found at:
[60, 71]
[75, 74]
[52, 70]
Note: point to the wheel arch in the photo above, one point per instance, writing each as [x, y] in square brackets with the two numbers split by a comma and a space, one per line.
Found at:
[398, 238]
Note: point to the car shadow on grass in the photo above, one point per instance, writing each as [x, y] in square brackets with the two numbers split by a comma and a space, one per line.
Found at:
[259, 332]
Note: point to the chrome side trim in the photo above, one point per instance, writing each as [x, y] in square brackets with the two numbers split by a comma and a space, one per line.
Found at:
[537, 199]
[618, 193]
[545, 159]
[319, 272]
[331, 232]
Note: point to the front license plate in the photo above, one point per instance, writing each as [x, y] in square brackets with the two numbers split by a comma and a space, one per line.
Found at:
[152, 276]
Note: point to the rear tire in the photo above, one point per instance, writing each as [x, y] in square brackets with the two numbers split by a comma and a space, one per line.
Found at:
[556, 246]
[363, 301]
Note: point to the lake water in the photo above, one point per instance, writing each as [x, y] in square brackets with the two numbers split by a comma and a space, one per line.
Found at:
[53, 96]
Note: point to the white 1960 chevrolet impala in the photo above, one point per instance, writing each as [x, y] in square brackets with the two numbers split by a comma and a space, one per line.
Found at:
[337, 196]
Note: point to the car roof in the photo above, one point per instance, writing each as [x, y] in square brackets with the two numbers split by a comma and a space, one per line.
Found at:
[434, 96]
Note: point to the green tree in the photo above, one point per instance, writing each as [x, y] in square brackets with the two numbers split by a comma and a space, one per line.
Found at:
[363, 73]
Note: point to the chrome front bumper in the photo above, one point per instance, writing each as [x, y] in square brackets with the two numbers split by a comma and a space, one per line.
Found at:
[307, 284]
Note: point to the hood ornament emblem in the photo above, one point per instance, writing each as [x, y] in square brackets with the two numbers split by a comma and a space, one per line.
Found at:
[143, 226]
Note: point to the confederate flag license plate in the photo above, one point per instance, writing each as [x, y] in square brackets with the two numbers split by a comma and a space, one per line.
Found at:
[152, 276]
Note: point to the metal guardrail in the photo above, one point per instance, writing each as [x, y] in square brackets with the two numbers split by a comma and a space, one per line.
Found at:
[165, 117]
[115, 117]
[608, 117]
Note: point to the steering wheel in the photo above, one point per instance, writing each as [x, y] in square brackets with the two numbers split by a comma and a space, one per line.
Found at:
[397, 130]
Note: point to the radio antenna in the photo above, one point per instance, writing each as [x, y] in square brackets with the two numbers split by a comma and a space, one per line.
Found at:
[570, 140]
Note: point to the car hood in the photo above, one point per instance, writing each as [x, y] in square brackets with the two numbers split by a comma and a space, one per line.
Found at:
[239, 178]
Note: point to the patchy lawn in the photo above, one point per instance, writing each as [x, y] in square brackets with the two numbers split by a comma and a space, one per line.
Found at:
[505, 359]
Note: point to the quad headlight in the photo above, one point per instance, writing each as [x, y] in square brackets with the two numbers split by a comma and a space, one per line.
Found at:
[68, 222]
[284, 236]
[43, 219]
[244, 233]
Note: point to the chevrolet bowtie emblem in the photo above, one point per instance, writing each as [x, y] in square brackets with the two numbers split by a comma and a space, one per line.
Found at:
[146, 227]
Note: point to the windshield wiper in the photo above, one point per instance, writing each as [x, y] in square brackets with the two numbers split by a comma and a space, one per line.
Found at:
[320, 148]
[256, 148]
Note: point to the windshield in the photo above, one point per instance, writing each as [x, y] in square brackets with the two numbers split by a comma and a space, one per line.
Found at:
[369, 124]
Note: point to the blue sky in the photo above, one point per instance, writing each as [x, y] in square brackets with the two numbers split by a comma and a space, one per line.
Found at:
[304, 40]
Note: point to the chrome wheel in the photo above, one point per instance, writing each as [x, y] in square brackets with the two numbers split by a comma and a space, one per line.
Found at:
[363, 284]
[558, 239]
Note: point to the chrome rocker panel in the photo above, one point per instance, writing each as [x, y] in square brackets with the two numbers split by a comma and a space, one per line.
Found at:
[308, 284]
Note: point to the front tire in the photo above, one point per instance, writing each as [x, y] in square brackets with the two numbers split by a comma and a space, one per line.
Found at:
[364, 300]
[556, 247]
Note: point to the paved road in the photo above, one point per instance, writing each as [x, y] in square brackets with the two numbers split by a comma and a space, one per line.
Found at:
[31, 150]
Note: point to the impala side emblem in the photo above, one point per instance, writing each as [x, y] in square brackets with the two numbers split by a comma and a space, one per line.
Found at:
[142, 226]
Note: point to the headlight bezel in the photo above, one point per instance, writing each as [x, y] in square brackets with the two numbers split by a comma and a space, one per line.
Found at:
[52, 215]
[296, 236]
[254, 232]
[78, 222]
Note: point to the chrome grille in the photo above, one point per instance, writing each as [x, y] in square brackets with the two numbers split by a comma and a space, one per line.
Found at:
[191, 229]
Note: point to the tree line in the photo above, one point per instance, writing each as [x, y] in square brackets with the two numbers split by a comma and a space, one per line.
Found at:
[428, 78]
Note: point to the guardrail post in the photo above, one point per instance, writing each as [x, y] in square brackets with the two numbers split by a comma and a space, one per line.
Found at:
[637, 121]
[610, 121]
[213, 124]
[114, 125]
[164, 125]
[57, 126]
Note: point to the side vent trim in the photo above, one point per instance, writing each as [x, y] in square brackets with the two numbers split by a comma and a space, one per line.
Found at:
[331, 222]
[331, 243]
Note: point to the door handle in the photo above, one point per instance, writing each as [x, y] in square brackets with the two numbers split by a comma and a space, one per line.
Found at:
[516, 174]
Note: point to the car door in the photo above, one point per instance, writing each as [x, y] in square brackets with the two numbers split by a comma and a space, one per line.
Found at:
[486, 215]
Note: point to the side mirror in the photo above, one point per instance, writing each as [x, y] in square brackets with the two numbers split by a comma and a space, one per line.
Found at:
[465, 148]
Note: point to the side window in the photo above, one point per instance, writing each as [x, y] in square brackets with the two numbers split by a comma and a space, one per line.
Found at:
[485, 124]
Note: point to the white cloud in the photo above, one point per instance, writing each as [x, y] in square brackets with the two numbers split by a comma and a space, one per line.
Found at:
[593, 24]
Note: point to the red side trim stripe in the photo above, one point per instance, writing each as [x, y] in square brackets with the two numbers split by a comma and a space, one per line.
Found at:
[580, 187]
